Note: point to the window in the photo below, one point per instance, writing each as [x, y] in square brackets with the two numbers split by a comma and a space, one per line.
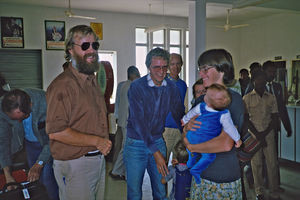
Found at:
[178, 43]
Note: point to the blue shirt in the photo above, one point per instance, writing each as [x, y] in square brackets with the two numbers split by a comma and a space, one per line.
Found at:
[149, 106]
[27, 124]
[181, 86]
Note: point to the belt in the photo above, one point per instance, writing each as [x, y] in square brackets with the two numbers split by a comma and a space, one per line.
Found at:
[93, 154]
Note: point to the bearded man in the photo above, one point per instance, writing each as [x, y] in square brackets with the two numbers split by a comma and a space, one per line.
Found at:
[77, 120]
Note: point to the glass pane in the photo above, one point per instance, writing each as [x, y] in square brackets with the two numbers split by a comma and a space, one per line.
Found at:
[140, 58]
[174, 37]
[140, 35]
[158, 37]
[155, 46]
[187, 37]
[187, 67]
[175, 50]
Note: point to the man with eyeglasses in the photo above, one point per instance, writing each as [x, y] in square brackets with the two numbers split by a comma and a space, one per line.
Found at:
[172, 134]
[22, 124]
[77, 120]
[151, 98]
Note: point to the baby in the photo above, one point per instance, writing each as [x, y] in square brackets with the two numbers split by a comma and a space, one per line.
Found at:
[214, 117]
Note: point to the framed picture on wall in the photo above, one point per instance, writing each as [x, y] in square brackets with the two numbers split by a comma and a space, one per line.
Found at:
[55, 35]
[12, 32]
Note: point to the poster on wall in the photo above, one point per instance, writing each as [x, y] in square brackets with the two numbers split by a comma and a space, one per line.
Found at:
[55, 35]
[97, 28]
[12, 32]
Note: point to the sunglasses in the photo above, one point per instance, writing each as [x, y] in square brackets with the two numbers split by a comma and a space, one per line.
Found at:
[86, 45]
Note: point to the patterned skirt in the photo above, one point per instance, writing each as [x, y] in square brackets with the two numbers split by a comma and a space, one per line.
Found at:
[208, 190]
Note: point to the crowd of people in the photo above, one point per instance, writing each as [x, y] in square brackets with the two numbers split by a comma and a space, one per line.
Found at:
[65, 129]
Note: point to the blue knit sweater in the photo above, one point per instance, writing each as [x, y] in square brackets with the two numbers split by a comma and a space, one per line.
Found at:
[148, 109]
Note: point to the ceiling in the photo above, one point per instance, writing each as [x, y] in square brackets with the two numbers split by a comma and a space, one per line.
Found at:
[216, 9]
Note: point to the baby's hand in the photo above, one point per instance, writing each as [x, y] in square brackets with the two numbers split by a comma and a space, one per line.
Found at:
[174, 161]
[238, 143]
[182, 123]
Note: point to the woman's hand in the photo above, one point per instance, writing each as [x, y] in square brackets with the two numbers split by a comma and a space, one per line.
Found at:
[192, 125]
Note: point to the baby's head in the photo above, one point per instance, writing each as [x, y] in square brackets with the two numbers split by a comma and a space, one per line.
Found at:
[180, 152]
[217, 97]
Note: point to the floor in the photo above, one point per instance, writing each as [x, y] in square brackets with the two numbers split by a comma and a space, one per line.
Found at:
[290, 182]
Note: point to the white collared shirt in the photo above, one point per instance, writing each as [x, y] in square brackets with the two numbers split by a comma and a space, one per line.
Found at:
[151, 83]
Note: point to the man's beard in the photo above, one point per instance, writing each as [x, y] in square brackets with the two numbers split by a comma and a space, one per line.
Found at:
[83, 66]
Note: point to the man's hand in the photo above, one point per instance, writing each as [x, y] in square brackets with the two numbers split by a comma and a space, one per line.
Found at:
[34, 172]
[10, 179]
[104, 145]
[160, 163]
[192, 125]
[238, 143]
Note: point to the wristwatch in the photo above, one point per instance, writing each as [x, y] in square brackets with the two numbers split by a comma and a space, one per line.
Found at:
[40, 162]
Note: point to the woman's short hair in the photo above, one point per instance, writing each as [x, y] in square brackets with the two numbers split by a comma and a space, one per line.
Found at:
[157, 52]
[84, 30]
[221, 60]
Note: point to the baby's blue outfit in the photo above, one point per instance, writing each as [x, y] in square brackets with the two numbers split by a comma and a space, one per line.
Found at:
[209, 128]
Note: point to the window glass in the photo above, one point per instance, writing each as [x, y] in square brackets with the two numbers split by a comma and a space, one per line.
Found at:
[187, 37]
[140, 36]
[175, 50]
[174, 37]
[158, 37]
[140, 57]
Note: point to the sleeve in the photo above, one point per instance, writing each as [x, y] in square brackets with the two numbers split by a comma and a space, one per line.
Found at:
[193, 112]
[283, 114]
[177, 108]
[117, 100]
[274, 104]
[229, 127]
[45, 154]
[138, 118]
[59, 101]
[5, 153]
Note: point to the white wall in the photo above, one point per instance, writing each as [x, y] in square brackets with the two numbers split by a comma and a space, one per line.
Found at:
[263, 39]
[118, 33]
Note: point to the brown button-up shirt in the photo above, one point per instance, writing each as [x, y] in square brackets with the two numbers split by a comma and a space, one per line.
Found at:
[260, 108]
[75, 100]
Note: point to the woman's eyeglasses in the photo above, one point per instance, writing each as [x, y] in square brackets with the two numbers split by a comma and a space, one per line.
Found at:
[205, 68]
[86, 45]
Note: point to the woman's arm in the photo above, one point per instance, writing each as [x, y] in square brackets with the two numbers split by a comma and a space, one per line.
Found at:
[221, 143]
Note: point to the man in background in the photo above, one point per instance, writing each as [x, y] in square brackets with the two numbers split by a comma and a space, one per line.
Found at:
[172, 134]
[22, 122]
[77, 120]
[118, 171]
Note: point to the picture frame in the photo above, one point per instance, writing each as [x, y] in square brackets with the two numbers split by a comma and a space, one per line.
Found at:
[55, 35]
[12, 32]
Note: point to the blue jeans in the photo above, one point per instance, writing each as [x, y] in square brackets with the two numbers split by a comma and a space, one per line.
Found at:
[138, 158]
[33, 150]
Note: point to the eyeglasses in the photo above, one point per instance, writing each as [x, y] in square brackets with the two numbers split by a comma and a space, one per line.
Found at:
[163, 68]
[205, 68]
[86, 45]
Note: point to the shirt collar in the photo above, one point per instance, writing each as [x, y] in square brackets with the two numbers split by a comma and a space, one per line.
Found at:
[170, 78]
[151, 83]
